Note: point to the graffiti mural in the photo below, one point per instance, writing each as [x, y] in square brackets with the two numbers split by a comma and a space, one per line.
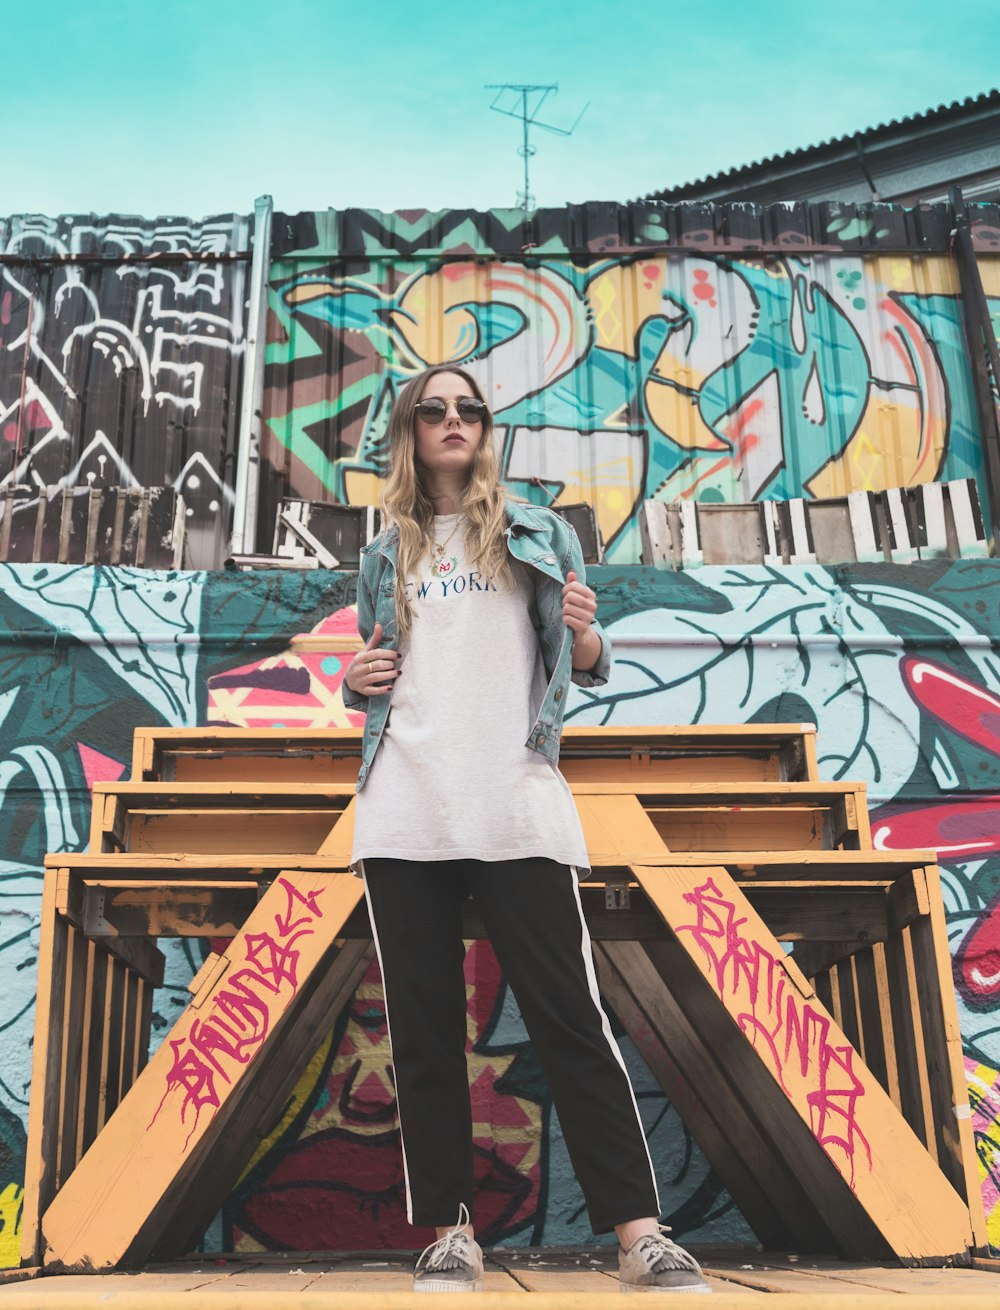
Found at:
[897, 666]
[124, 369]
[621, 377]
[629, 352]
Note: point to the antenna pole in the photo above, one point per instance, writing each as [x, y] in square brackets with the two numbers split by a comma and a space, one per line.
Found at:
[525, 150]
[516, 94]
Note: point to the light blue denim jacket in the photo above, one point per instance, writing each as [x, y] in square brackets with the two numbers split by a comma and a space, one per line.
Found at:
[536, 537]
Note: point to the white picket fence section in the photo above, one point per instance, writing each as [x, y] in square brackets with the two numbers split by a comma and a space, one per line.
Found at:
[938, 520]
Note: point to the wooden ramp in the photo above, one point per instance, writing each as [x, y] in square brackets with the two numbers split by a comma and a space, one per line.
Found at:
[791, 992]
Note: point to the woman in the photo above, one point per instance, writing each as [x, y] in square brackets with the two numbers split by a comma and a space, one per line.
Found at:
[475, 615]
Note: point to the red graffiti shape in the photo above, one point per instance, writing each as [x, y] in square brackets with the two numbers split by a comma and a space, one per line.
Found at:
[966, 829]
[977, 961]
[793, 1032]
[957, 830]
[965, 708]
[963, 829]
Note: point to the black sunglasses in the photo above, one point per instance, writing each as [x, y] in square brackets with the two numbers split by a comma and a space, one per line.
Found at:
[434, 410]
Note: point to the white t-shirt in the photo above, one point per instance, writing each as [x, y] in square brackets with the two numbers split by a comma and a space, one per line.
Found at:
[452, 778]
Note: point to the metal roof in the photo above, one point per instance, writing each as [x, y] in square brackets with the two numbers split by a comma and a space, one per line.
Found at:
[940, 114]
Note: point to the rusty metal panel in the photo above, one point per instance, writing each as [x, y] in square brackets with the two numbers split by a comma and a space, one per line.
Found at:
[121, 349]
[721, 354]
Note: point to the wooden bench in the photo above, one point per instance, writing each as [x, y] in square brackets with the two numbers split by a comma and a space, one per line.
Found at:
[126, 896]
[289, 816]
[788, 986]
[222, 817]
[648, 971]
[859, 923]
[782, 752]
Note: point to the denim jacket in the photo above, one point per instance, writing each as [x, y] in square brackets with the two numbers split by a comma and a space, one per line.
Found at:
[536, 537]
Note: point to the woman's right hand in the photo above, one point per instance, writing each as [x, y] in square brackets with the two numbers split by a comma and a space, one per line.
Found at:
[373, 671]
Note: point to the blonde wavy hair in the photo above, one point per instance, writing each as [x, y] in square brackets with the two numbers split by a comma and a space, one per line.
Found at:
[406, 502]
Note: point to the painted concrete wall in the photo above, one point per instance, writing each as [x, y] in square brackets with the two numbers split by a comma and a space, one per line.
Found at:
[897, 666]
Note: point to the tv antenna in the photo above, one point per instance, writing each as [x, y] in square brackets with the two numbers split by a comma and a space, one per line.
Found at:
[524, 102]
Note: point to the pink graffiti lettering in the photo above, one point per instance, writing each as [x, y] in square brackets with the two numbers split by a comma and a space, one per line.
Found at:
[274, 962]
[237, 1025]
[795, 1036]
[238, 1019]
[285, 924]
[191, 1073]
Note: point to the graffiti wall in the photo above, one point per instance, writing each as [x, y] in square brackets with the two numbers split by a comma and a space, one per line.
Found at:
[121, 354]
[629, 351]
[897, 666]
[620, 371]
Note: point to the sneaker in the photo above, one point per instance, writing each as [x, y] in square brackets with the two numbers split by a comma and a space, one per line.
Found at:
[454, 1263]
[656, 1264]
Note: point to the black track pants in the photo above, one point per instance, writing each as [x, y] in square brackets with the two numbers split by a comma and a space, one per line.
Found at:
[532, 913]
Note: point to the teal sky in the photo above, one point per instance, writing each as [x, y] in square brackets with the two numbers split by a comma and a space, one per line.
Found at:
[197, 106]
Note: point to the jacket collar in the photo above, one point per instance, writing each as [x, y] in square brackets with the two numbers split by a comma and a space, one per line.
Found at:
[519, 515]
[524, 516]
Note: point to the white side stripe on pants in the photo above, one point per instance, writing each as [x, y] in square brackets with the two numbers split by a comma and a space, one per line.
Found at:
[595, 996]
[388, 1026]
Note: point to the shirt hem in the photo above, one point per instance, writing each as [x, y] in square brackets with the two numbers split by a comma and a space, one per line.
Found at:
[487, 857]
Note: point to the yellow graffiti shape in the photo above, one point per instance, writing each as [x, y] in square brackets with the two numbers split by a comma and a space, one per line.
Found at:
[989, 271]
[304, 292]
[982, 1080]
[895, 445]
[431, 319]
[361, 487]
[611, 487]
[930, 275]
[624, 297]
[11, 1205]
[677, 413]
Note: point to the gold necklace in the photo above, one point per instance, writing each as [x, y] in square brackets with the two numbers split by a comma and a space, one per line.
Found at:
[439, 546]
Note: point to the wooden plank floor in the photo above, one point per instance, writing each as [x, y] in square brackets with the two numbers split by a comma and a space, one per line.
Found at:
[557, 1278]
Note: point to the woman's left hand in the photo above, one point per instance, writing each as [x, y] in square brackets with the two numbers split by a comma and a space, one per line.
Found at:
[579, 604]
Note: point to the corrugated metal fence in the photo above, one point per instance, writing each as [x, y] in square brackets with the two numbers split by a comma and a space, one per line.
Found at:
[121, 358]
[726, 353]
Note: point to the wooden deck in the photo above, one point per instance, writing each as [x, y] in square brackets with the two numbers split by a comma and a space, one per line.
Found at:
[349, 1281]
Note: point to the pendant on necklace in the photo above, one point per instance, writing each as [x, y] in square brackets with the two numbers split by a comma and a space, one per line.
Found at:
[443, 568]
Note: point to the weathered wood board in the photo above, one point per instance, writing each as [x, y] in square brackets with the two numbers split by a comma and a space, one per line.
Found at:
[177, 1132]
[870, 1177]
[782, 751]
